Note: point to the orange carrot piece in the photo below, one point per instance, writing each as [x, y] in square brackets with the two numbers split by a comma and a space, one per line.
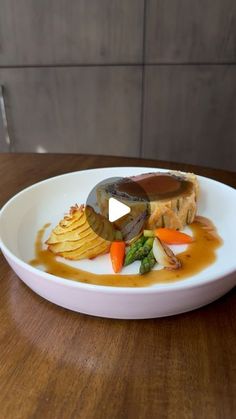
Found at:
[117, 254]
[171, 236]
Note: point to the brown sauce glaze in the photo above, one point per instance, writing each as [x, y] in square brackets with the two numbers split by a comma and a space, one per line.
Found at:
[155, 186]
[198, 255]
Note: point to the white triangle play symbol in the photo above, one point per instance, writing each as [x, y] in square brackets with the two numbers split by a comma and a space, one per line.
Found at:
[117, 209]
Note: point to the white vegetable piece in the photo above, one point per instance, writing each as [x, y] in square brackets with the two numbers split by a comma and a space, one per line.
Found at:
[164, 255]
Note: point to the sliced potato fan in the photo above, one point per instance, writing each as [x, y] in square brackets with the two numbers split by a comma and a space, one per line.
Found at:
[81, 234]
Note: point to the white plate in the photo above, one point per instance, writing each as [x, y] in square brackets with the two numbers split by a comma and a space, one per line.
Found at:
[47, 201]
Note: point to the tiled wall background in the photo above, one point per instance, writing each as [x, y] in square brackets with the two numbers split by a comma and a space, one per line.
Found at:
[149, 78]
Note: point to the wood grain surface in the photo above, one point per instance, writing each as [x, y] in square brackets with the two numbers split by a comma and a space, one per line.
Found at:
[60, 364]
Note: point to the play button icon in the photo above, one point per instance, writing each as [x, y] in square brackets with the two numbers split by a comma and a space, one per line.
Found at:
[123, 202]
[117, 209]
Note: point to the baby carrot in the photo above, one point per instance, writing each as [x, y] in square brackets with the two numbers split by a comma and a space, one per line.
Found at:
[117, 254]
[171, 236]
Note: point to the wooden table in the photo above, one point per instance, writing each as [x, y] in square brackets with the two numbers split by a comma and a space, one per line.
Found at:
[60, 364]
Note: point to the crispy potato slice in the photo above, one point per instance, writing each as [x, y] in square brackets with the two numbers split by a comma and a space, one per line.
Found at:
[89, 254]
[75, 239]
[75, 234]
[67, 245]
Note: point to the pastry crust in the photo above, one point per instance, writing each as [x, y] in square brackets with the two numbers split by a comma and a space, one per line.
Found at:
[176, 212]
[173, 212]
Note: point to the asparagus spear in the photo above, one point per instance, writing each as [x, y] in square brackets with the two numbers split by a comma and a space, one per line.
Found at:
[145, 249]
[147, 263]
[134, 248]
[139, 250]
[148, 233]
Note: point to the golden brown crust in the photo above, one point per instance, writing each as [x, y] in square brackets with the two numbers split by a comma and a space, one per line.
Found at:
[177, 212]
[81, 234]
[172, 213]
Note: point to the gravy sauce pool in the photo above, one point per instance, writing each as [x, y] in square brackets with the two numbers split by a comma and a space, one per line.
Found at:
[198, 255]
[155, 186]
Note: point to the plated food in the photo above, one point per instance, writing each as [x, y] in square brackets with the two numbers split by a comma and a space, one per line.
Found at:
[90, 285]
[160, 205]
[172, 197]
